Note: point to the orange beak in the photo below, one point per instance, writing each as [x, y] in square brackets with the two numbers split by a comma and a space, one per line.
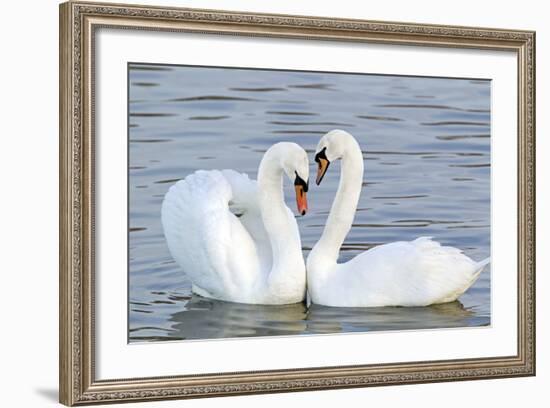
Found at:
[301, 199]
[321, 169]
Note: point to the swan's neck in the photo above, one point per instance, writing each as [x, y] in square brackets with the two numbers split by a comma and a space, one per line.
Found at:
[342, 213]
[288, 264]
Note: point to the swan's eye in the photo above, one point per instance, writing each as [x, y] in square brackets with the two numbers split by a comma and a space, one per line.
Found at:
[298, 181]
[321, 155]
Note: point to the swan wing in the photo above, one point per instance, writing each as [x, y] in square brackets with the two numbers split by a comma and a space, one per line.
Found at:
[414, 273]
[446, 271]
[244, 192]
[245, 205]
[206, 239]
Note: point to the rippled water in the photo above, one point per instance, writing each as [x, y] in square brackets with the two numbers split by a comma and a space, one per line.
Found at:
[426, 145]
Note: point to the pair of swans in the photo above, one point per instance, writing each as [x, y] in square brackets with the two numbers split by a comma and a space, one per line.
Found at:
[238, 241]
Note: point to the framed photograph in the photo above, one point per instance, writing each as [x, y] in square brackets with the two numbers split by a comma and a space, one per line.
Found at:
[255, 203]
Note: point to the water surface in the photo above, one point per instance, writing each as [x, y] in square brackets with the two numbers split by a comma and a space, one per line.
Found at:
[426, 146]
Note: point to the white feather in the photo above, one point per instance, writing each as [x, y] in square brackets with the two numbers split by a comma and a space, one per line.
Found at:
[213, 225]
[416, 273]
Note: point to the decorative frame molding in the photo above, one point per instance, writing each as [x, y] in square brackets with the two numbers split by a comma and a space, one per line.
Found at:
[78, 22]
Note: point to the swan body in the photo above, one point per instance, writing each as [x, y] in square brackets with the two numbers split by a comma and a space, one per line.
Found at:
[234, 237]
[416, 273]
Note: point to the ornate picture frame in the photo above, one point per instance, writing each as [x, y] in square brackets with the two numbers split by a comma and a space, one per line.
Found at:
[79, 22]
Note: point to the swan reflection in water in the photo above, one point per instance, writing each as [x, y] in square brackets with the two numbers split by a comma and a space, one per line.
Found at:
[209, 319]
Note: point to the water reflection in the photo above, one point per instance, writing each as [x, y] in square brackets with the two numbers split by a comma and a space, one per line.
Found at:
[204, 318]
[207, 318]
[323, 319]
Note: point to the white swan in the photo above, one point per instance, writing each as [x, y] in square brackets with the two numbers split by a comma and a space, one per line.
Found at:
[235, 238]
[415, 273]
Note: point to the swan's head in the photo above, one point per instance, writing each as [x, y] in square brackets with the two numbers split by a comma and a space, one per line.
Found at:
[293, 161]
[332, 146]
[295, 164]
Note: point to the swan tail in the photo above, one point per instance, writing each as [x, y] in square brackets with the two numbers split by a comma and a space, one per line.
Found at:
[481, 264]
[475, 275]
[478, 269]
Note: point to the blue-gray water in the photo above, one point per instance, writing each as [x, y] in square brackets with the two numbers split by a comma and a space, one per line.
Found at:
[426, 144]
